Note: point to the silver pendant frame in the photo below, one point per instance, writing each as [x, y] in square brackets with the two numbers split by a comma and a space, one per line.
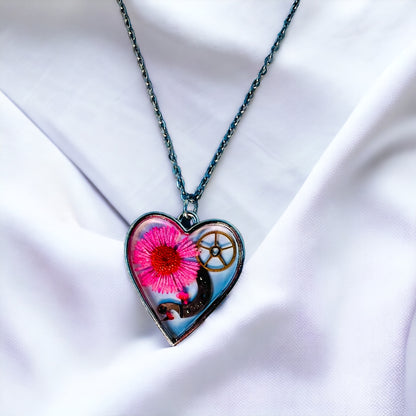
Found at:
[170, 337]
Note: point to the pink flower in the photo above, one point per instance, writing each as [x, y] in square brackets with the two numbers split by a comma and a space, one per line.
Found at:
[166, 259]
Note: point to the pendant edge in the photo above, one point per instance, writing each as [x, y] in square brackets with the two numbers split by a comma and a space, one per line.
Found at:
[172, 340]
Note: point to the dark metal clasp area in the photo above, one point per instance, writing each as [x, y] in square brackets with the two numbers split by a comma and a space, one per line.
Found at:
[189, 216]
[188, 219]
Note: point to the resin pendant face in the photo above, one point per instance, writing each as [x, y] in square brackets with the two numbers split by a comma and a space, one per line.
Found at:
[182, 274]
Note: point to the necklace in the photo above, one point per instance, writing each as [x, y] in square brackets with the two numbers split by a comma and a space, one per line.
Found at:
[184, 268]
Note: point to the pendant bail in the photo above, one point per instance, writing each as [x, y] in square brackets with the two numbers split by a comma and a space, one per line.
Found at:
[190, 204]
[189, 216]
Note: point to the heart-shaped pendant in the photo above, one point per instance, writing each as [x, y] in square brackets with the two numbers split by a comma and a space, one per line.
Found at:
[182, 273]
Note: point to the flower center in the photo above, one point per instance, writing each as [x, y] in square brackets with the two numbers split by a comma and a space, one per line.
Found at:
[165, 260]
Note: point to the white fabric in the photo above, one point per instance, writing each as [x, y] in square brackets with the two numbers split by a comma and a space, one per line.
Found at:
[319, 178]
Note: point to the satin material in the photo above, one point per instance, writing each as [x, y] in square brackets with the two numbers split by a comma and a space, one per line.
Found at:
[319, 179]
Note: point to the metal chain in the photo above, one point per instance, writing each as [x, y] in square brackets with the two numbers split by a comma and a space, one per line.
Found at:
[188, 198]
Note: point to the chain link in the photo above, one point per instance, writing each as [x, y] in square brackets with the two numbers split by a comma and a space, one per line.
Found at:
[186, 197]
